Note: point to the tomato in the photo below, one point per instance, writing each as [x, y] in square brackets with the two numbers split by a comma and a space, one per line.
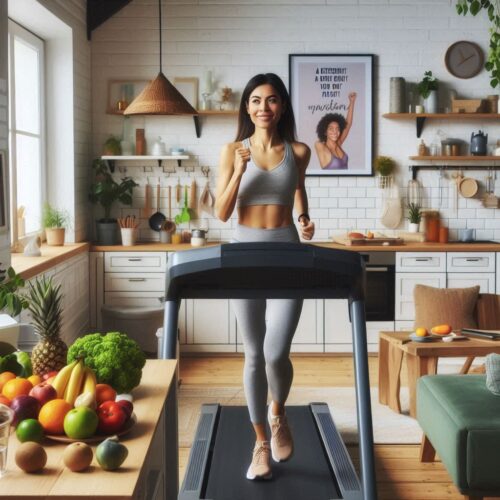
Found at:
[112, 417]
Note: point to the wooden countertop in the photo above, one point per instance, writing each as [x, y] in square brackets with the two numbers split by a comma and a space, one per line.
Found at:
[148, 246]
[56, 481]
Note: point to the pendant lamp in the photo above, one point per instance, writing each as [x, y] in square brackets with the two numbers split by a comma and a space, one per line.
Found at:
[160, 97]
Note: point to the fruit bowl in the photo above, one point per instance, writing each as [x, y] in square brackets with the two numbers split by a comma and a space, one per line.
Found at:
[129, 425]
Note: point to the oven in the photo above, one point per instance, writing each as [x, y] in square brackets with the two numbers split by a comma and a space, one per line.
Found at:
[380, 285]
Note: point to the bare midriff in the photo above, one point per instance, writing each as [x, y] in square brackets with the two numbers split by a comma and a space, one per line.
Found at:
[265, 216]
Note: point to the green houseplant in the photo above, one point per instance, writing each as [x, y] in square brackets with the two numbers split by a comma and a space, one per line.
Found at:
[414, 217]
[384, 167]
[105, 191]
[54, 222]
[11, 301]
[427, 89]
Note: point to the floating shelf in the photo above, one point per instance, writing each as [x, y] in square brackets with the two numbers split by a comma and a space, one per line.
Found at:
[421, 117]
[455, 158]
[160, 159]
[415, 168]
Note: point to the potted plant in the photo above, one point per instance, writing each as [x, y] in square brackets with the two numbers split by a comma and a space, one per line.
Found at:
[112, 147]
[106, 191]
[11, 301]
[384, 167]
[54, 222]
[427, 88]
[414, 216]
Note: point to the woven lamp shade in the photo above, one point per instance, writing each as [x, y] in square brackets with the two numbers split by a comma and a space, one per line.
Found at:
[160, 97]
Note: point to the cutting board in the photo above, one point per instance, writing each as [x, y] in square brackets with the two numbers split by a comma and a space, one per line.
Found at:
[344, 240]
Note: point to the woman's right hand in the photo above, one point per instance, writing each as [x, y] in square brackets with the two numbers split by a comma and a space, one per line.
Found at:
[241, 158]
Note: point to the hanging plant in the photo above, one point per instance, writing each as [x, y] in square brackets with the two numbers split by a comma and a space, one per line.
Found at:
[493, 9]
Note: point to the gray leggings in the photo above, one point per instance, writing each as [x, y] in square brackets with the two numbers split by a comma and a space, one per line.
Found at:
[268, 326]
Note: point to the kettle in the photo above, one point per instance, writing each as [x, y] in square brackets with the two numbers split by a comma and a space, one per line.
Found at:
[478, 144]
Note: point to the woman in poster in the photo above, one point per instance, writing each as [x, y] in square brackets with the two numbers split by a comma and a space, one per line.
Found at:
[262, 174]
[332, 131]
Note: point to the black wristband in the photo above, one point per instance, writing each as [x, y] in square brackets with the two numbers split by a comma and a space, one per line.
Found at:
[305, 214]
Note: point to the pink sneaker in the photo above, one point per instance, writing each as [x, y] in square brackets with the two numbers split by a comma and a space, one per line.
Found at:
[281, 440]
[260, 467]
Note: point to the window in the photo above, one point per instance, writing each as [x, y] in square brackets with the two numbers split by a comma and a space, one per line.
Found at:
[26, 131]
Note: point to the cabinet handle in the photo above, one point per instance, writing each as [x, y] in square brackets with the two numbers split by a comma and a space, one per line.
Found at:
[137, 279]
[471, 259]
[423, 259]
[377, 269]
[135, 259]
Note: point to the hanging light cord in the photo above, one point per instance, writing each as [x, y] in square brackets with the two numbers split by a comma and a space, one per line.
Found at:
[159, 9]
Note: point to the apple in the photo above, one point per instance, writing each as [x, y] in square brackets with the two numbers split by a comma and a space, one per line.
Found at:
[24, 407]
[111, 454]
[50, 374]
[80, 423]
[127, 407]
[44, 392]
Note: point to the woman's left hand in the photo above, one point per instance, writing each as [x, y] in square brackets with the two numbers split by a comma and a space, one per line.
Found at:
[306, 228]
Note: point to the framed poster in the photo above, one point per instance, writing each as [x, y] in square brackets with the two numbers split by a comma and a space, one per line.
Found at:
[3, 193]
[332, 98]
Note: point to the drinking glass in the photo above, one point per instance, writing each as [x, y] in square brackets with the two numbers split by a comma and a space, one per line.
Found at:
[6, 416]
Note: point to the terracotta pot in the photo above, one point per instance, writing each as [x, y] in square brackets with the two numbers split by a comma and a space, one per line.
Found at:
[55, 236]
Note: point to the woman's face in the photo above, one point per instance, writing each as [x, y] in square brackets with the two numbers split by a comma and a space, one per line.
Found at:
[333, 131]
[265, 106]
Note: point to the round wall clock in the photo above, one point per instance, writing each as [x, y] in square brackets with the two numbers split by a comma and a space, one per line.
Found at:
[464, 59]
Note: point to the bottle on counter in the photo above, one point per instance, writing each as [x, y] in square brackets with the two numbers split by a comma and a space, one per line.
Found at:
[432, 225]
[422, 148]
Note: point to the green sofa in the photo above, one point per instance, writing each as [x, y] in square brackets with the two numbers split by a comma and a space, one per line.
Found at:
[460, 418]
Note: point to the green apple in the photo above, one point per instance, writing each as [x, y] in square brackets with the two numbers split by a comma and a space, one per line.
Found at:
[80, 423]
[111, 453]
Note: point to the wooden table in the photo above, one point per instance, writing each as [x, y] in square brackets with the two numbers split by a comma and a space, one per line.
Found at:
[421, 359]
[150, 470]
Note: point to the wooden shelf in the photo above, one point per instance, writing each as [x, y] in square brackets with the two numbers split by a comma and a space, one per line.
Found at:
[455, 158]
[421, 117]
[213, 112]
[111, 159]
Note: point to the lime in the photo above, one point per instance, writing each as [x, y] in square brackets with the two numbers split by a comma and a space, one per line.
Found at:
[30, 430]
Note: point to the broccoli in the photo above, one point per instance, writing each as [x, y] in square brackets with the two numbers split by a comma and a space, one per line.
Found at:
[116, 359]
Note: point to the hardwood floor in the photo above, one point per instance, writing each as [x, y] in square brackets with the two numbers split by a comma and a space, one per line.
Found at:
[400, 475]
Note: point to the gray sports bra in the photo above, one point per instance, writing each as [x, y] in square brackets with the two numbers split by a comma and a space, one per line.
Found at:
[269, 187]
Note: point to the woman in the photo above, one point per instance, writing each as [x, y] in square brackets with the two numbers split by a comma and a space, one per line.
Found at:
[332, 131]
[262, 174]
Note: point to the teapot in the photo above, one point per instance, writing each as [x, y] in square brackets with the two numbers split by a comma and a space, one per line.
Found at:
[478, 144]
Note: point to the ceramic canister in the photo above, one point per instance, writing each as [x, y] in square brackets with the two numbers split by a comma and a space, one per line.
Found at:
[397, 95]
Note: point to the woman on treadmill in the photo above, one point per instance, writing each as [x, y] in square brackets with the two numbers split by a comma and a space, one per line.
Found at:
[262, 173]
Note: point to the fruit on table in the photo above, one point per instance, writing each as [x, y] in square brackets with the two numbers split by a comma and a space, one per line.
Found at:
[75, 383]
[112, 417]
[354, 235]
[4, 401]
[441, 329]
[44, 392]
[5, 377]
[370, 235]
[52, 415]
[80, 423]
[77, 456]
[35, 379]
[16, 387]
[421, 332]
[46, 312]
[127, 397]
[127, 407]
[24, 407]
[62, 378]
[30, 457]
[104, 392]
[111, 453]
[24, 359]
[49, 375]
[30, 430]
[86, 399]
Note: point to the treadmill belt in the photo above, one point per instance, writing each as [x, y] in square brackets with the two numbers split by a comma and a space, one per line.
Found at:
[306, 475]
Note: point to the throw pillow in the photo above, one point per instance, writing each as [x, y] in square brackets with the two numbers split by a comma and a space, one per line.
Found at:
[452, 306]
[493, 373]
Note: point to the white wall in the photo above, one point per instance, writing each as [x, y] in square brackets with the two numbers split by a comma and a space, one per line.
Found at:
[237, 39]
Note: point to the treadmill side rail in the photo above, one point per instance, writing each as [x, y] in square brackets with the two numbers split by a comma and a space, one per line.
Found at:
[200, 452]
[336, 451]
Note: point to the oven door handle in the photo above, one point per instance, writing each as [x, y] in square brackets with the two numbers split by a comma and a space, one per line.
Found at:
[373, 269]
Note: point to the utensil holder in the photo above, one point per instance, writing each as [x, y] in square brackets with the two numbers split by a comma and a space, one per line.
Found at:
[129, 236]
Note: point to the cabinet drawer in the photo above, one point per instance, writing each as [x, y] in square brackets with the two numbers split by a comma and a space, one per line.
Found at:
[134, 282]
[466, 262]
[432, 262]
[486, 281]
[133, 299]
[149, 262]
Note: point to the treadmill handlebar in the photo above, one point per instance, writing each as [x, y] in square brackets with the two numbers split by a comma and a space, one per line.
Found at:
[266, 270]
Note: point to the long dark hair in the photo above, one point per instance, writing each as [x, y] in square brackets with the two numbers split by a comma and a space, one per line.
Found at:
[286, 125]
[326, 120]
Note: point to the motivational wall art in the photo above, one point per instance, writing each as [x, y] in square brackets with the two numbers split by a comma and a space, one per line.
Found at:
[332, 97]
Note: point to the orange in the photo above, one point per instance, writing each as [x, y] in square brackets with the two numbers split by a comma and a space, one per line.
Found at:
[35, 379]
[104, 392]
[4, 401]
[52, 415]
[5, 377]
[16, 387]
[421, 332]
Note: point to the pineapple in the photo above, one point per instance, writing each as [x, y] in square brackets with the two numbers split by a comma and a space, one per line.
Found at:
[45, 307]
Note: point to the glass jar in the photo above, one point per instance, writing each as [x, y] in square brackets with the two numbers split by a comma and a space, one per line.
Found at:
[432, 226]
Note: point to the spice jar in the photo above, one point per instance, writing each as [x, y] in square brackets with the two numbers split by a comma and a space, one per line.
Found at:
[443, 234]
[432, 226]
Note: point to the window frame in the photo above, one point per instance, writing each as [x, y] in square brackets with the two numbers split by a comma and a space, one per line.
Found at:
[15, 30]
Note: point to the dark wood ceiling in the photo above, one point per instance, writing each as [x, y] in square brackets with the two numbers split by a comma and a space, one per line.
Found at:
[99, 11]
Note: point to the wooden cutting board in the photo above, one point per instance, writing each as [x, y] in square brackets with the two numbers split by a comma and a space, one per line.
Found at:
[344, 240]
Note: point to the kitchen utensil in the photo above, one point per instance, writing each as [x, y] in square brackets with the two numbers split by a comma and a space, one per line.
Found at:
[146, 211]
[178, 192]
[157, 219]
[490, 200]
[169, 225]
[184, 216]
[468, 187]
[478, 144]
[193, 199]
[414, 192]
[207, 199]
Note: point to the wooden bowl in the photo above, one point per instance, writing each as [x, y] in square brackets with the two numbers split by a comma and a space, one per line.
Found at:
[468, 187]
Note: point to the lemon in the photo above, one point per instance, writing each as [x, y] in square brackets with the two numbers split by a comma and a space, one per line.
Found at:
[421, 332]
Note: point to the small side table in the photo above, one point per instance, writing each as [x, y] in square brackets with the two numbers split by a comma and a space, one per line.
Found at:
[421, 359]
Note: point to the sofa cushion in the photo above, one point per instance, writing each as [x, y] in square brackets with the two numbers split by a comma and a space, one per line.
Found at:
[461, 418]
[452, 306]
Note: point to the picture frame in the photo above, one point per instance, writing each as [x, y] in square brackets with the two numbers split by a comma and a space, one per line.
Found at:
[121, 93]
[188, 87]
[332, 99]
[4, 220]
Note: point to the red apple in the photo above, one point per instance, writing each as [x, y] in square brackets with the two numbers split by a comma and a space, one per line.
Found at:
[44, 392]
[127, 407]
[24, 407]
[48, 375]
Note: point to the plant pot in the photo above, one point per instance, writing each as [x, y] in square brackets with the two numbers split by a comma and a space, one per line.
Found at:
[107, 232]
[55, 236]
[431, 103]
[413, 227]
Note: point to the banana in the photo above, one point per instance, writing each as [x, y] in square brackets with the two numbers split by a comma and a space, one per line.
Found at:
[75, 383]
[90, 381]
[61, 380]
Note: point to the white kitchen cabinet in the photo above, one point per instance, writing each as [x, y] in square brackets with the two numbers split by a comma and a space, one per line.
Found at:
[129, 262]
[486, 281]
[420, 262]
[468, 262]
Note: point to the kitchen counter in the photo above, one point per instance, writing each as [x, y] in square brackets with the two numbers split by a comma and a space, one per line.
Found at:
[148, 246]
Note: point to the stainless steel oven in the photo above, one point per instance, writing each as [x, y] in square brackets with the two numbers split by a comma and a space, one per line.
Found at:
[380, 285]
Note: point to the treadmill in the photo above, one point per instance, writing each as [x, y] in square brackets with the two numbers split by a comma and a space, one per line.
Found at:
[320, 468]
